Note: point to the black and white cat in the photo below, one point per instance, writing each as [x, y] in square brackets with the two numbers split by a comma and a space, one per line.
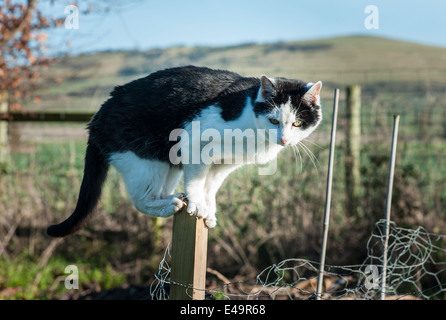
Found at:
[133, 129]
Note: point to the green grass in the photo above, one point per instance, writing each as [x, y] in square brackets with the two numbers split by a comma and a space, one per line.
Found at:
[28, 279]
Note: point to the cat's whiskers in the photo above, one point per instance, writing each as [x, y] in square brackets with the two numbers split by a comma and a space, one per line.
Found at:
[310, 155]
[297, 154]
[313, 143]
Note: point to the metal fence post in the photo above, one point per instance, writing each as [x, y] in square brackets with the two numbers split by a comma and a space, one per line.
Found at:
[328, 196]
[389, 204]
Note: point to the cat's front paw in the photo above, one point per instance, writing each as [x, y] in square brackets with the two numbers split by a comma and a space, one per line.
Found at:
[211, 221]
[204, 212]
[198, 209]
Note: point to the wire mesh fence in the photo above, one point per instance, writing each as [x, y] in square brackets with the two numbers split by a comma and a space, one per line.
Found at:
[402, 263]
[416, 269]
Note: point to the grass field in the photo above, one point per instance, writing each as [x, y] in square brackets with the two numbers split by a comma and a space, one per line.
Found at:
[262, 219]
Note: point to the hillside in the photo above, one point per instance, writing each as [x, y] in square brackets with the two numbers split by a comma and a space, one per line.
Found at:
[83, 82]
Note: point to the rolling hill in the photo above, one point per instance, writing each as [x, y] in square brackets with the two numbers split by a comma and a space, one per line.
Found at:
[83, 82]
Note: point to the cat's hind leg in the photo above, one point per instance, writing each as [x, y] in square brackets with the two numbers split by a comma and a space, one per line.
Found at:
[145, 181]
[171, 183]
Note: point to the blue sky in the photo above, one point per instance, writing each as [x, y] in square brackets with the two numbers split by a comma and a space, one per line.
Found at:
[146, 24]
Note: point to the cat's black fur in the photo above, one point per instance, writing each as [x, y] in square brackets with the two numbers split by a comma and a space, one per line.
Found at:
[140, 115]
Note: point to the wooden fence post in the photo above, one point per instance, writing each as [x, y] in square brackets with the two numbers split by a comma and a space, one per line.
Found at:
[353, 148]
[4, 147]
[189, 253]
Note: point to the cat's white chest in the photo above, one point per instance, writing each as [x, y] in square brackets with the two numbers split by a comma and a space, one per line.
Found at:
[267, 154]
[211, 139]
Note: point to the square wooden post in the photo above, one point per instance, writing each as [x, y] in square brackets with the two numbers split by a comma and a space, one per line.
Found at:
[353, 150]
[189, 253]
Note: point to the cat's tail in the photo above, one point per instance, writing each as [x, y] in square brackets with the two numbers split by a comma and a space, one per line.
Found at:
[95, 172]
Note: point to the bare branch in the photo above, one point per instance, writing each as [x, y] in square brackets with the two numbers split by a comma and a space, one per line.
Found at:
[20, 24]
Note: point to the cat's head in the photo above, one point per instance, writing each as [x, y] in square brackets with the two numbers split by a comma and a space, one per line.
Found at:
[292, 107]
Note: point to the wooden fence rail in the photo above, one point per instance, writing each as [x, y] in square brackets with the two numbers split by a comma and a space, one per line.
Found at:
[18, 116]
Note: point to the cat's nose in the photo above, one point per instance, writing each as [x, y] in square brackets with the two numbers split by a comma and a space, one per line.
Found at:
[283, 140]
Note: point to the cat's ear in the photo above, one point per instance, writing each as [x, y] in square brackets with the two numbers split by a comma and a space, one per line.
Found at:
[313, 93]
[266, 88]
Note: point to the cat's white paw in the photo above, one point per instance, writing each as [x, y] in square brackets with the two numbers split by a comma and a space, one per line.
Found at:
[197, 209]
[211, 221]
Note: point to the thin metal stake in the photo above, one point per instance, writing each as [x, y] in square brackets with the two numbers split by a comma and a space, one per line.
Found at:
[328, 195]
[396, 120]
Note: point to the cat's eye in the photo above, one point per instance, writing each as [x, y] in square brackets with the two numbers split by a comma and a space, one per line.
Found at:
[273, 121]
[297, 124]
